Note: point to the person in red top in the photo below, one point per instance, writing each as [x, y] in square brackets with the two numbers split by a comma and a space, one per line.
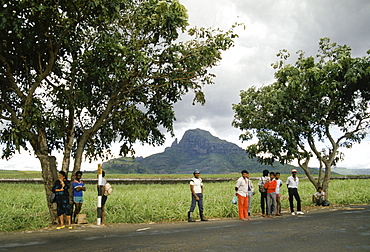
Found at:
[270, 187]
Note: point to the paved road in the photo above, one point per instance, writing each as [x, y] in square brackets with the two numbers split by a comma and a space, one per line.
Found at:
[328, 229]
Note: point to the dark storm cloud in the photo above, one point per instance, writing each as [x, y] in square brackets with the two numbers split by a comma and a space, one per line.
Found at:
[270, 26]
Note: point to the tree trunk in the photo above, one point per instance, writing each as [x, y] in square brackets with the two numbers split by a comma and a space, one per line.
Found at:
[68, 143]
[306, 170]
[325, 183]
[49, 175]
[79, 153]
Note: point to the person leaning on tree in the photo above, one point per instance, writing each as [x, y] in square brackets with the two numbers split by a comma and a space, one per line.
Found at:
[60, 188]
[292, 184]
[196, 188]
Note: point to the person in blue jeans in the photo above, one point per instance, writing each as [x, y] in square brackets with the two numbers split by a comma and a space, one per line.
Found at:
[196, 188]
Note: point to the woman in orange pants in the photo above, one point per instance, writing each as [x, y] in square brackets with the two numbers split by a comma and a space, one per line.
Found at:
[241, 189]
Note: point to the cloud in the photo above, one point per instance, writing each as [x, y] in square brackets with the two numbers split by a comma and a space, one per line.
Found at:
[270, 26]
[23, 161]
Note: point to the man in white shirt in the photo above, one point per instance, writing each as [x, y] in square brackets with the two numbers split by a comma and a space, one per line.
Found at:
[241, 189]
[196, 188]
[292, 184]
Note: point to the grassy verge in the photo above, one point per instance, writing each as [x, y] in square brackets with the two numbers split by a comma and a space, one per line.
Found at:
[24, 205]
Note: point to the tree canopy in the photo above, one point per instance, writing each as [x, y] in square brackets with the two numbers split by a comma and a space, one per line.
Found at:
[76, 76]
[316, 106]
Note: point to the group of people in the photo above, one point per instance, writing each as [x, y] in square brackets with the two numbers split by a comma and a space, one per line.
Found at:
[61, 189]
[269, 187]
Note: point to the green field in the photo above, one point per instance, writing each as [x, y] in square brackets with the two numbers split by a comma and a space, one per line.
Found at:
[23, 206]
[37, 174]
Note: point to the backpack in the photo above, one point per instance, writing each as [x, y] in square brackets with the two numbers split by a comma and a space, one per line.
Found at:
[325, 203]
[261, 187]
[108, 189]
[53, 198]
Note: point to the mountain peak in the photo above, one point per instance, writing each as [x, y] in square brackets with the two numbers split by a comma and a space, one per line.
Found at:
[198, 142]
[198, 149]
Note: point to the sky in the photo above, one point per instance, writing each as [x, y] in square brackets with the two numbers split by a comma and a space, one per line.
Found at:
[270, 26]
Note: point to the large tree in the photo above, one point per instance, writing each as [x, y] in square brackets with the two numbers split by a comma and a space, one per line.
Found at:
[78, 75]
[315, 108]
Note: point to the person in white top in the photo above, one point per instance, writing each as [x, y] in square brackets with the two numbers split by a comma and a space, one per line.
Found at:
[241, 189]
[250, 194]
[104, 198]
[292, 184]
[318, 197]
[196, 188]
[279, 183]
[261, 183]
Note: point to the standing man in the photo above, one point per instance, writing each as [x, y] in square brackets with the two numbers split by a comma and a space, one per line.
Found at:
[270, 187]
[292, 184]
[250, 194]
[241, 189]
[279, 183]
[261, 183]
[196, 188]
[104, 197]
[78, 188]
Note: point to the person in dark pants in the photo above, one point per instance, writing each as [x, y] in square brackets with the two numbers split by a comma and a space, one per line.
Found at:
[261, 183]
[196, 188]
[60, 188]
[292, 184]
[104, 198]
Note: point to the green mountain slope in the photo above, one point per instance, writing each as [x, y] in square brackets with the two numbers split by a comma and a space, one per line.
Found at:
[198, 149]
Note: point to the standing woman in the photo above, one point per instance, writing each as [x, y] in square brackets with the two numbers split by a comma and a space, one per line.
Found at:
[60, 188]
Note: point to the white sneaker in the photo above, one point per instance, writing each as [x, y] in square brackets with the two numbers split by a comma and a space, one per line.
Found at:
[293, 213]
[300, 212]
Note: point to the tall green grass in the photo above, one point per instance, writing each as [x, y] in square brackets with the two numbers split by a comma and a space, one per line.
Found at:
[23, 206]
[37, 174]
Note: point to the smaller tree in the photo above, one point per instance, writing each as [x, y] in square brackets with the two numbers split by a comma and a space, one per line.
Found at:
[315, 108]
